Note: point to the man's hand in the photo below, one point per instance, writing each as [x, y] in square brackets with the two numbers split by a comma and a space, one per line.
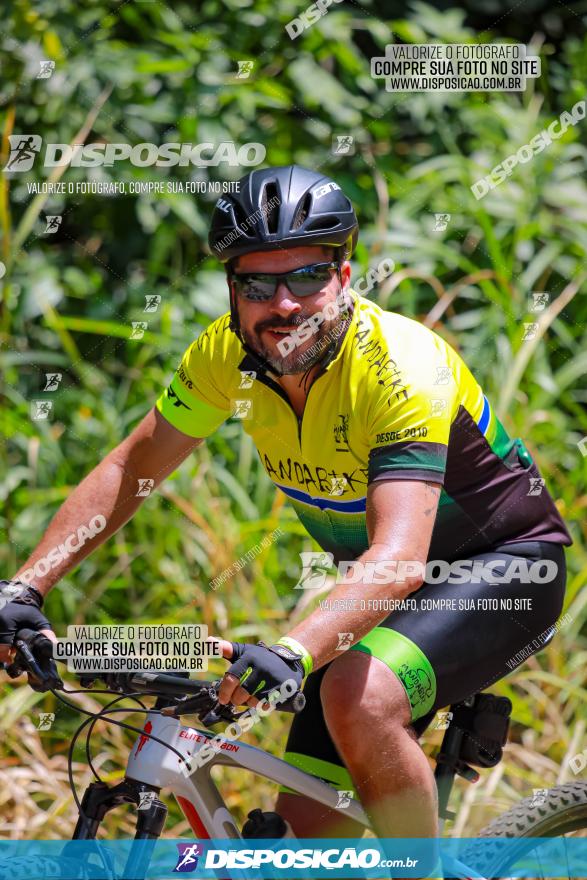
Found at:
[20, 608]
[256, 671]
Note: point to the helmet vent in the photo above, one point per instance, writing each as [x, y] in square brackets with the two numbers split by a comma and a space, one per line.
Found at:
[240, 217]
[323, 223]
[270, 207]
[302, 212]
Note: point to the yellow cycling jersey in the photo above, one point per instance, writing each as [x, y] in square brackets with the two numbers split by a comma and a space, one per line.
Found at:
[395, 402]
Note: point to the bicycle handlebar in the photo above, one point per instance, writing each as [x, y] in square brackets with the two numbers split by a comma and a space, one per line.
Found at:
[35, 656]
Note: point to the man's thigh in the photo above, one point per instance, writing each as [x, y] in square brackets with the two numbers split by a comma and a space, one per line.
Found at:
[462, 637]
[454, 643]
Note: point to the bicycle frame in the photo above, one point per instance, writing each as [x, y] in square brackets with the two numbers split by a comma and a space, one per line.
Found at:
[153, 766]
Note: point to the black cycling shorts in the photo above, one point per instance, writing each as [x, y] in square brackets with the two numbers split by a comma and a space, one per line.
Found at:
[456, 639]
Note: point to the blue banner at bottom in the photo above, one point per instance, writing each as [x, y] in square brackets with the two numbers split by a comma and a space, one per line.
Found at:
[286, 859]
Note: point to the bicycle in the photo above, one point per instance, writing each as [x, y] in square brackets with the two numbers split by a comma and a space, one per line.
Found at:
[165, 750]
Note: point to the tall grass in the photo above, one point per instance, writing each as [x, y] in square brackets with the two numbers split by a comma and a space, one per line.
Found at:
[68, 308]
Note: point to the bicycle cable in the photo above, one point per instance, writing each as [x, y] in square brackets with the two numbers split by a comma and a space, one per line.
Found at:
[95, 720]
[95, 716]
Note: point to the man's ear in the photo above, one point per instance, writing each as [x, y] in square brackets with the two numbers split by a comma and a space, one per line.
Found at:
[345, 271]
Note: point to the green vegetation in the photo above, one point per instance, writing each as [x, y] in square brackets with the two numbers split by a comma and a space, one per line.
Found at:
[150, 72]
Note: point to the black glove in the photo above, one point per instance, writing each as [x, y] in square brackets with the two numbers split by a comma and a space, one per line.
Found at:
[261, 669]
[19, 610]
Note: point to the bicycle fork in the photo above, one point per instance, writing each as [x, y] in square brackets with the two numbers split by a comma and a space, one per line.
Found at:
[100, 798]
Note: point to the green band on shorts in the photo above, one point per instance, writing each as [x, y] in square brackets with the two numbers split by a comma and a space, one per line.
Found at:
[334, 774]
[407, 661]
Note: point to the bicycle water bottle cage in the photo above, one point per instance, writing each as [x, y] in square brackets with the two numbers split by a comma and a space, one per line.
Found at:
[262, 825]
[485, 724]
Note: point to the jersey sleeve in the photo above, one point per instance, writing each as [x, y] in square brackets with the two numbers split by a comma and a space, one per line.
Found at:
[194, 402]
[411, 418]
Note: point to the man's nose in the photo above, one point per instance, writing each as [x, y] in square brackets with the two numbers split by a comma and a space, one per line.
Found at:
[284, 302]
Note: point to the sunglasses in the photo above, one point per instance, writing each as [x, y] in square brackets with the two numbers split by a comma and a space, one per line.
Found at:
[261, 286]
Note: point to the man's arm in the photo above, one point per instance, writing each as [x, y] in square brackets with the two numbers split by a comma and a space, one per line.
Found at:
[400, 519]
[152, 451]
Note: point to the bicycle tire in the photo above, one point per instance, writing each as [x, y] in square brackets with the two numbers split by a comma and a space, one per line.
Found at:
[563, 811]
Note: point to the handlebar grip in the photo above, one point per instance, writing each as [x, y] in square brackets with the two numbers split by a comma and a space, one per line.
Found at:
[36, 658]
[294, 704]
[34, 639]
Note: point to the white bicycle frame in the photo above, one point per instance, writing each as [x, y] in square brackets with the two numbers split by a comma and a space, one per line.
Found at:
[197, 795]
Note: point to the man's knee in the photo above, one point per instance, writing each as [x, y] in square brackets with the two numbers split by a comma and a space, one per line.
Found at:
[359, 691]
[309, 818]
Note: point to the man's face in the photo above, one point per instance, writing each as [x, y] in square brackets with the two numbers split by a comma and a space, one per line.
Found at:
[261, 322]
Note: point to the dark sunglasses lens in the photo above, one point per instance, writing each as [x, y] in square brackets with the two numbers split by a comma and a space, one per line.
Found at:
[309, 282]
[255, 287]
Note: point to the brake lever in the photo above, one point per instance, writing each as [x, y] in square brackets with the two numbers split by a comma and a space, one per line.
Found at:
[200, 702]
[40, 680]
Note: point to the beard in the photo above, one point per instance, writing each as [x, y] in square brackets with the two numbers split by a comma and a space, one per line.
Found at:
[304, 355]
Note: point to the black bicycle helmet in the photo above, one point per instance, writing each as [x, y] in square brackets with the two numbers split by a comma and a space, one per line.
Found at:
[279, 208]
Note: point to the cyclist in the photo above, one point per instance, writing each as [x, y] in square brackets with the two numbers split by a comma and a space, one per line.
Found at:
[380, 437]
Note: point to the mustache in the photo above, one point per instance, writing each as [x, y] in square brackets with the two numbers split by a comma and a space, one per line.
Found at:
[290, 324]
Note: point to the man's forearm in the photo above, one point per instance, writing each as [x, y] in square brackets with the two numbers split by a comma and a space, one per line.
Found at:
[94, 511]
[319, 632]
